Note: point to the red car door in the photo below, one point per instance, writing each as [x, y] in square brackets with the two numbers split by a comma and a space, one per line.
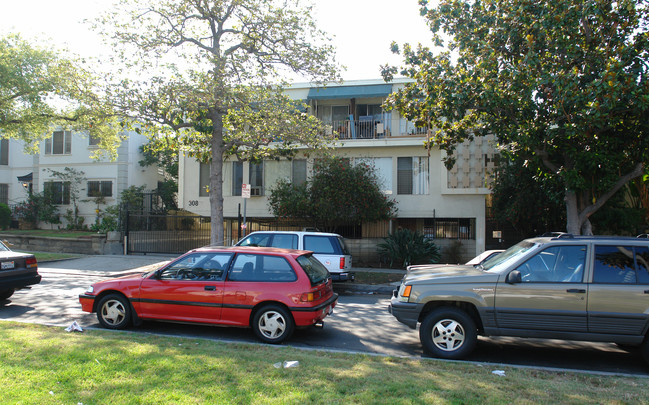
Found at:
[189, 289]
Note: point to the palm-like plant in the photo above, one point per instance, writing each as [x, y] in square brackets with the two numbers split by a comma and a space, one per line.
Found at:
[405, 247]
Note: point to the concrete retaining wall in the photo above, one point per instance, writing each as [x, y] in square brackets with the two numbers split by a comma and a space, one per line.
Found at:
[87, 245]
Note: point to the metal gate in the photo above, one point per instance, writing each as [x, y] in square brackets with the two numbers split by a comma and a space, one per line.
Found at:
[150, 233]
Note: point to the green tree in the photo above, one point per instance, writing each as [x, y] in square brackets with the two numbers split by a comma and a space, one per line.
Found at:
[561, 84]
[162, 151]
[337, 194]
[523, 197]
[72, 180]
[41, 89]
[220, 93]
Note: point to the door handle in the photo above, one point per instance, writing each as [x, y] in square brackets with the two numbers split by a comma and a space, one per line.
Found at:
[576, 290]
[210, 288]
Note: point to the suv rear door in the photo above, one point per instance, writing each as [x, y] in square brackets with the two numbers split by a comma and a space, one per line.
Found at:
[618, 297]
[330, 250]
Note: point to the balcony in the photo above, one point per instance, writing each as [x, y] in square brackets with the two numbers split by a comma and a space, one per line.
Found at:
[372, 127]
[366, 127]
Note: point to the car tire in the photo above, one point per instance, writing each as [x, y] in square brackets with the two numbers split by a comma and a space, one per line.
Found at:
[448, 333]
[273, 324]
[114, 312]
[4, 294]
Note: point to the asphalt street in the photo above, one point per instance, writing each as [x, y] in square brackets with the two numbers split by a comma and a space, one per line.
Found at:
[360, 322]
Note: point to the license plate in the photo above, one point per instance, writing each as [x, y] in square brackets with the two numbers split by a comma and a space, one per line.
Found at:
[8, 265]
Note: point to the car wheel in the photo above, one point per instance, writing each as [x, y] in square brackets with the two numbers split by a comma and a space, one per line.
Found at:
[273, 324]
[114, 312]
[448, 333]
[4, 294]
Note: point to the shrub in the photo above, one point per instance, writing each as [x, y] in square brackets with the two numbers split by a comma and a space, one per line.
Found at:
[405, 247]
[5, 216]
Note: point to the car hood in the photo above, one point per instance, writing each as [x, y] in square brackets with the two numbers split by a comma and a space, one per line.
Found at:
[441, 273]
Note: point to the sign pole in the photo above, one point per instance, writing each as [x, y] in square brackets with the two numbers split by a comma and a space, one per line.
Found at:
[245, 193]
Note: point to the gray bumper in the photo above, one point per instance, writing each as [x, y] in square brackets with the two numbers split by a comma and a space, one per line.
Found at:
[11, 283]
[405, 312]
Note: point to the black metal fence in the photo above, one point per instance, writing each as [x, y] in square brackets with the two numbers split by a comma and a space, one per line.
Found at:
[150, 233]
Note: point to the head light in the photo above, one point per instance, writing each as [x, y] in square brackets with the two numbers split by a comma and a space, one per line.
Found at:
[90, 290]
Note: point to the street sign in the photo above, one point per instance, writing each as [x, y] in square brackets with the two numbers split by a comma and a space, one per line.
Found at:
[245, 190]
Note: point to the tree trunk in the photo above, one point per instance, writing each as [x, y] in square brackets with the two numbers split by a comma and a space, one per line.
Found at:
[216, 182]
[572, 213]
[577, 216]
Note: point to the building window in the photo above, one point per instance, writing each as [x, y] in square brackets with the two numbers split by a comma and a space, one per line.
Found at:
[256, 177]
[237, 178]
[4, 194]
[93, 140]
[4, 152]
[449, 228]
[204, 180]
[57, 192]
[412, 175]
[298, 172]
[100, 188]
[59, 144]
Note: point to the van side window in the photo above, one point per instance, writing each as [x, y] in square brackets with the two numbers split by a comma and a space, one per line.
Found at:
[321, 244]
[614, 265]
[258, 239]
[284, 241]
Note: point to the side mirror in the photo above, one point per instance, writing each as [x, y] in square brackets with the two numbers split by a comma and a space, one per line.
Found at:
[514, 277]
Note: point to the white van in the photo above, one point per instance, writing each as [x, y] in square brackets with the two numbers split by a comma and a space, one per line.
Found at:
[329, 248]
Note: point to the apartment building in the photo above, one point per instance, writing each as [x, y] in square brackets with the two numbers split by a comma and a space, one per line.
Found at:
[448, 206]
[22, 173]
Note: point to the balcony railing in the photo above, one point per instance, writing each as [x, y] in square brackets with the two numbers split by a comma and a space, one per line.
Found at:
[371, 127]
[363, 128]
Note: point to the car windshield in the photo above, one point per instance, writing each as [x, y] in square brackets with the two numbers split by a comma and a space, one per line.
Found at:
[315, 270]
[512, 253]
[3, 247]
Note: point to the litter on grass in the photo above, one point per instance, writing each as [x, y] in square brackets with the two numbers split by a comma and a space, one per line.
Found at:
[74, 327]
[287, 364]
[498, 372]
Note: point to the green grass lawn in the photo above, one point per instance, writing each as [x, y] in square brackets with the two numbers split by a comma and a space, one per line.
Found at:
[56, 233]
[46, 365]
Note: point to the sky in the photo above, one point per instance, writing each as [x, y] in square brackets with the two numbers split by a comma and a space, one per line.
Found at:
[362, 29]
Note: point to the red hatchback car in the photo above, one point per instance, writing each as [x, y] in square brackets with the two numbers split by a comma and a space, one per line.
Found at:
[270, 290]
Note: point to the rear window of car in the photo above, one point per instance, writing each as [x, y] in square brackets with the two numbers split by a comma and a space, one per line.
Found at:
[315, 270]
[254, 267]
[328, 245]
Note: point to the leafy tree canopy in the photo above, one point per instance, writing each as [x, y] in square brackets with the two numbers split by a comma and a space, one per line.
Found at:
[216, 67]
[337, 194]
[562, 84]
[41, 90]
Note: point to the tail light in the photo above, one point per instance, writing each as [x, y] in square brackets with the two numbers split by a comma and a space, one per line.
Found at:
[30, 263]
[311, 296]
[342, 263]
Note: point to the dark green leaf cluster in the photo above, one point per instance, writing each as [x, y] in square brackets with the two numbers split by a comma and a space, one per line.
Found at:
[338, 193]
[561, 84]
[405, 247]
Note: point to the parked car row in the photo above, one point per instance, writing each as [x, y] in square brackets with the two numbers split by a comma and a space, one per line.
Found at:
[553, 287]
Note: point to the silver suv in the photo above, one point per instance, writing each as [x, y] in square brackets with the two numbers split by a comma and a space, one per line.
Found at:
[567, 287]
[329, 248]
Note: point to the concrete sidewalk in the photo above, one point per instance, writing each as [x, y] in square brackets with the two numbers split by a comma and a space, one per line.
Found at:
[120, 265]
